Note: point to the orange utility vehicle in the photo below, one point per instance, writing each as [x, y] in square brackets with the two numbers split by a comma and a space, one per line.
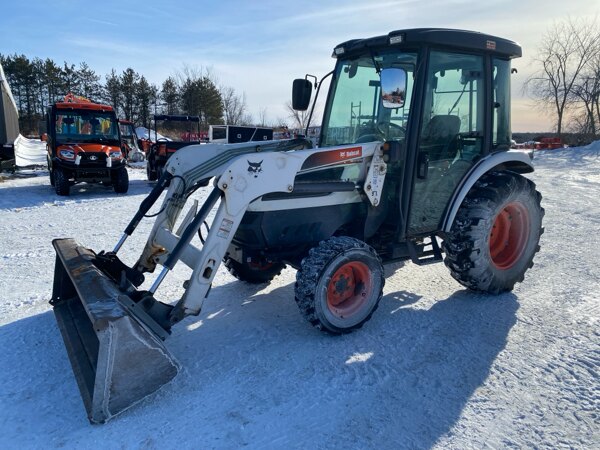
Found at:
[84, 144]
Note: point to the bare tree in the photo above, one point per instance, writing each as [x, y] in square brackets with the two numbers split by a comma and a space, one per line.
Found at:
[299, 118]
[262, 117]
[234, 106]
[566, 50]
[586, 92]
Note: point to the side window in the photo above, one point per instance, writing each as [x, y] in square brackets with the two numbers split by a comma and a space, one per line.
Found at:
[501, 134]
[451, 137]
[454, 107]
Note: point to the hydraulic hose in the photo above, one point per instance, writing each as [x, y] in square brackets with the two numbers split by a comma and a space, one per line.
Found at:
[145, 206]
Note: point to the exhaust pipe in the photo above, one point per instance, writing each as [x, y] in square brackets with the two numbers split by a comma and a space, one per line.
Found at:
[117, 358]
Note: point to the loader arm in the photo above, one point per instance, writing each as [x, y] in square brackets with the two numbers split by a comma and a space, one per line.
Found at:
[242, 175]
[112, 331]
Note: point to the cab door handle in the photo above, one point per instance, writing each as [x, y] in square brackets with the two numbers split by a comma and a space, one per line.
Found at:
[422, 165]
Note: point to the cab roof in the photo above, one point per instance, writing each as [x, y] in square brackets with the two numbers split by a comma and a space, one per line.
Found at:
[79, 106]
[443, 37]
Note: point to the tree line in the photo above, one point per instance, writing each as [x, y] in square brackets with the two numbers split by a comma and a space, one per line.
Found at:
[37, 83]
[567, 81]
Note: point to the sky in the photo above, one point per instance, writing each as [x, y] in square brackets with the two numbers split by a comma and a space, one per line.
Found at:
[258, 48]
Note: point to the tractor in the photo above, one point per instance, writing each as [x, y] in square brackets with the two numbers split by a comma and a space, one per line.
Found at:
[413, 163]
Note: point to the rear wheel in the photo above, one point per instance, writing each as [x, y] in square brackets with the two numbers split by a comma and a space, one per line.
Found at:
[339, 284]
[51, 175]
[121, 181]
[62, 185]
[160, 170]
[151, 171]
[254, 273]
[496, 233]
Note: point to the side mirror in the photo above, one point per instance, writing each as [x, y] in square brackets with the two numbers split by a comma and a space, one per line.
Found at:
[393, 87]
[44, 137]
[301, 92]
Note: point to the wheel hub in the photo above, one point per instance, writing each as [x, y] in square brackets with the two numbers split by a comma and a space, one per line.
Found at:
[348, 289]
[509, 235]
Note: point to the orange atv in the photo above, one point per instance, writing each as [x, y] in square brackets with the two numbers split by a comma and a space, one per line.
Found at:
[84, 144]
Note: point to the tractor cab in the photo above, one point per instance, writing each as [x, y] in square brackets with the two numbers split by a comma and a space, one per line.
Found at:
[440, 98]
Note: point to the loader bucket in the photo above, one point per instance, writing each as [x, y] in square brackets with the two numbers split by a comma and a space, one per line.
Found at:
[117, 360]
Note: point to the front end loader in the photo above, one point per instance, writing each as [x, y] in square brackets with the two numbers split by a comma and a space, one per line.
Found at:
[413, 163]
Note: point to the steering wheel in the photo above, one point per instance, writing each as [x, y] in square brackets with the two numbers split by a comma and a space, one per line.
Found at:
[399, 131]
[369, 132]
[377, 135]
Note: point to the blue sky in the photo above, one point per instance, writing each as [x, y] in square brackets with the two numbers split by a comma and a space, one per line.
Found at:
[260, 47]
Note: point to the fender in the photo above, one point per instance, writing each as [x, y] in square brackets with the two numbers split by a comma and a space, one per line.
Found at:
[514, 160]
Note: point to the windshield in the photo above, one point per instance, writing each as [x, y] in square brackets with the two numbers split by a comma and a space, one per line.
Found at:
[355, 112]
[86, 126]
[178, 131]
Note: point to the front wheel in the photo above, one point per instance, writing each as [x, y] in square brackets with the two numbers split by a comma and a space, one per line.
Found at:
[121, 181]
[62, 185]
[495, 234]
[339, 284]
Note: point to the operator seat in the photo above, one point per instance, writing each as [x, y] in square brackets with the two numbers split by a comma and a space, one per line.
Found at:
[440, 137]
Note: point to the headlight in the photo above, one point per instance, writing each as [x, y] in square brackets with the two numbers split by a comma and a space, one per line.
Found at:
[67, 154]
[115, 155]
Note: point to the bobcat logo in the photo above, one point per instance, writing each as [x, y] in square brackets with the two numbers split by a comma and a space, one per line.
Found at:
[254, 168]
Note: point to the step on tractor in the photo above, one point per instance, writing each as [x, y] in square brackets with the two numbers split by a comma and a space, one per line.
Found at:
[413, 163]
[84, 145]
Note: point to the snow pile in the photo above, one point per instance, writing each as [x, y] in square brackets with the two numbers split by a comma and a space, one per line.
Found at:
[29, 152]
[144, 133]
[437, 366]
[594, 146]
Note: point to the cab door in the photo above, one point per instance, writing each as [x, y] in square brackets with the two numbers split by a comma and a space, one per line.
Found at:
[450, 136]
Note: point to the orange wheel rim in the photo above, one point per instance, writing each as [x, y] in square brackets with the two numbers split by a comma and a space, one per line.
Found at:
[509, 235]
[349, 289]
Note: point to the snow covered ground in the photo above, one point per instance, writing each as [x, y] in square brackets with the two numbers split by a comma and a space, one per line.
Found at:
[436, 366]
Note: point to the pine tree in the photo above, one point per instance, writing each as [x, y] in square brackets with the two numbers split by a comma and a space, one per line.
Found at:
[112, 91]
[89, 83]
[128, 82]
[169, 95]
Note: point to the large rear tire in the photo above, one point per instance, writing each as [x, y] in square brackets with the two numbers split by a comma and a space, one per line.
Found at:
[495, 234]
[339, 284]
[253, 273]
[62, 185]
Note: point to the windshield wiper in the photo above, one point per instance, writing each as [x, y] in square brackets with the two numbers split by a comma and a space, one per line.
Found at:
[375, 63]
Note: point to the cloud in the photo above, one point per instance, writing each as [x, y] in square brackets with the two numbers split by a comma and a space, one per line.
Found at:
[102, 22]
